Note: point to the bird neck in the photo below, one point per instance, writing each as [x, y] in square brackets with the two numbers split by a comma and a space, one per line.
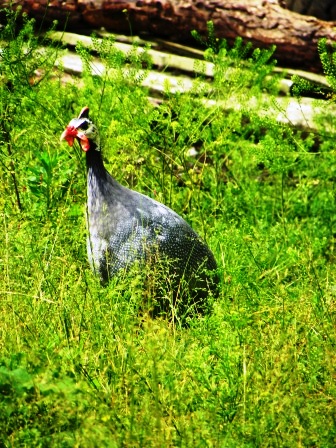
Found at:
[94, 161]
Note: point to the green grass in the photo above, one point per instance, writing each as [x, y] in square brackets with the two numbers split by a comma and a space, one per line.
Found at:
[83, 365]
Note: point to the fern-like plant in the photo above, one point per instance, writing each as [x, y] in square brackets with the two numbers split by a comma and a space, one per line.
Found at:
[22, 55]
[303, 87]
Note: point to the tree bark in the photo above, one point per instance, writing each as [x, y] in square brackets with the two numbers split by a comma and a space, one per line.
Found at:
[263, 22]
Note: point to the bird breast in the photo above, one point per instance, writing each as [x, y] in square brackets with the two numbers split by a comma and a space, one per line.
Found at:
[125, 226]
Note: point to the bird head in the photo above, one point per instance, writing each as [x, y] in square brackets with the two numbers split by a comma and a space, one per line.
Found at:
[83, 130]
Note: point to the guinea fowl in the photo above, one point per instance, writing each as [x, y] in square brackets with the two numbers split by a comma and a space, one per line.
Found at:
[126, 227]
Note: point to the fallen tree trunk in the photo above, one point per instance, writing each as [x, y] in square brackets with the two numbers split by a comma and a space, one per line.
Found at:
[300, 114]
[264, 23]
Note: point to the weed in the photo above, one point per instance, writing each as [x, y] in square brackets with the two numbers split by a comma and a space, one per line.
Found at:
[85, 365]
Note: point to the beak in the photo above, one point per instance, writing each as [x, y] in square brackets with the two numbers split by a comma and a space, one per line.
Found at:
[71, 133]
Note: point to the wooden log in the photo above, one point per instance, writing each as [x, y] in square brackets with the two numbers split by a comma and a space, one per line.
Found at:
[263, 22]
[297, 113]
[169, 62]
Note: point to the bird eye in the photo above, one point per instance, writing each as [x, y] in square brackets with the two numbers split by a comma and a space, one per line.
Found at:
[84, 126]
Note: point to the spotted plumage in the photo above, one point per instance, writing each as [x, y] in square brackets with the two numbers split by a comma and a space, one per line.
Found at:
[127, 227]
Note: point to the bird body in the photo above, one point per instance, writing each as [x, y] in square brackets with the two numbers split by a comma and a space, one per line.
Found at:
[126, 227]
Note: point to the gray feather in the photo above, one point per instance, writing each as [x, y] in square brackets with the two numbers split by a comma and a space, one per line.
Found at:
[126, 227]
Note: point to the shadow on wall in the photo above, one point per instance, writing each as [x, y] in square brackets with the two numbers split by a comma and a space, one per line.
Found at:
[322, 9]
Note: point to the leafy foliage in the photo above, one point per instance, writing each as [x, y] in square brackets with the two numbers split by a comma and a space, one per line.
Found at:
[83, 365]
[327, 55]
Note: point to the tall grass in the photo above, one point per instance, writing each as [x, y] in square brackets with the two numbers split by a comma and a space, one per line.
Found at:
[80, 364]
